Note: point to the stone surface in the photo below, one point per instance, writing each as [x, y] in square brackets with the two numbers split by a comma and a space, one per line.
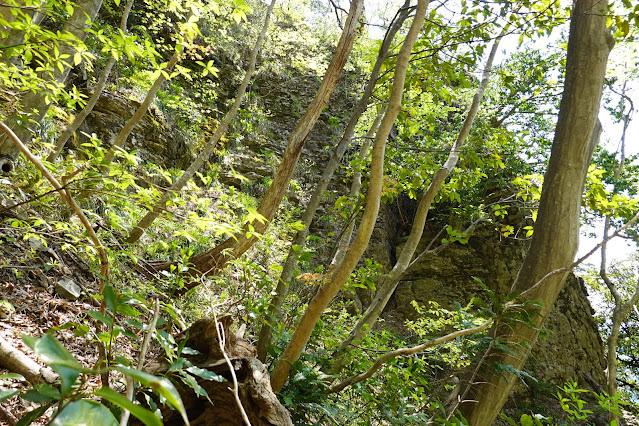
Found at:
[68, 289]
[152, 136]
[572, 346]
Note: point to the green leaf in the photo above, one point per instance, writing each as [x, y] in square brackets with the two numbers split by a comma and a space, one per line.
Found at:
[33, 395]
[508, 419]
[33, 415]
[110, 297]
[526, 420]
[158, 384]
[15, 376]
[191, 382]
[205, 374]
[84, 412]
[52, 353]
[48, 390]
[101, 317]
[8, 393]
[146, 416]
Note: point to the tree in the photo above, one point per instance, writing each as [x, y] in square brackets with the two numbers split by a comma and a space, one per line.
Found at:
[36, 102]
[213, 260]
[97, 91]
[311, 209]
[340, 275]
[186, 35]
[576, 136]
[148, 219]
[387, 287]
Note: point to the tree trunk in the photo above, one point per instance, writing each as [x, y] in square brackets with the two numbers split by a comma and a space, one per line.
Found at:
[309, 213]
[340, 276]
[34, 104]
[97, 91]
[389, 284]
[148, 219]
[356, 186]
[554, 242]
[212, 260]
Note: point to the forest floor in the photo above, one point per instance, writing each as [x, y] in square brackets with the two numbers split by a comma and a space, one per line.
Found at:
[30, 305]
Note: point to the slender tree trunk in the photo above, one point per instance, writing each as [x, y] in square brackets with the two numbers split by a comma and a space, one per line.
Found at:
[275, 308]
[212, 260]
[206, 153]
[554, 242]
[34, 104]
[309, 213]
[143, 108]
[356, 186]
[621, 309]
[389, 283]
[340, 275]
[97, 91]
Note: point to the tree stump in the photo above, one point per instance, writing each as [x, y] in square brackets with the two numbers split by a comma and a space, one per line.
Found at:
[254, 387]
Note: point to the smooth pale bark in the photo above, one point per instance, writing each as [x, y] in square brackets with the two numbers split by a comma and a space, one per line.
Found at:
[16, 361]
[387, 287]
[206, 153]
[338, 387]
[621, 309]
[554, 242]
[290, 264]
[144, 106]
[342, 273]
[34, 104]
[212, 260]
[97, 91]
[353, 194]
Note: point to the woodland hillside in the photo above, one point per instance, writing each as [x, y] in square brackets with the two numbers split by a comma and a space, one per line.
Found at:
[313, 213]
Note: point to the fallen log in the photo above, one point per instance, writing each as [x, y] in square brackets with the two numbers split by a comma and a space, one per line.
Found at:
[17, 362]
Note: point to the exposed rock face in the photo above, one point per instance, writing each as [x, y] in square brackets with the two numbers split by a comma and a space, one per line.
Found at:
[573, 345]
[152, 136]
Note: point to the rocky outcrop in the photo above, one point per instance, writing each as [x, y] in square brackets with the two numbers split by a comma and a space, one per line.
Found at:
[155, 140]
[569, 347]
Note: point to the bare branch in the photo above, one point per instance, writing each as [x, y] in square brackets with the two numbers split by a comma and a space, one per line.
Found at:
[407, 351]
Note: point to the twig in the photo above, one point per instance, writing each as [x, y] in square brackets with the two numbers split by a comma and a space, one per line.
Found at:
[141, 357]
[406, 351]
[221, 338]
[581, 259]
[66, 196]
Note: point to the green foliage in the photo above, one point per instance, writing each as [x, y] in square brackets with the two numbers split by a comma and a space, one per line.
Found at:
[34, 53]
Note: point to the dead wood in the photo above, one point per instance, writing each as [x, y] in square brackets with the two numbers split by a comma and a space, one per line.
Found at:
[14, 360]
[254, 387]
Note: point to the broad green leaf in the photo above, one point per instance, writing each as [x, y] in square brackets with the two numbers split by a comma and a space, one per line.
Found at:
[110, 297]
[33, 395]
[101, 317]
[146, 416]
[33, 415]
[83, 413]
[48, 390]
[8, 393]
[52, 353]
[205, 374]
[526, 420]
[158, 384]
[15, 376]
